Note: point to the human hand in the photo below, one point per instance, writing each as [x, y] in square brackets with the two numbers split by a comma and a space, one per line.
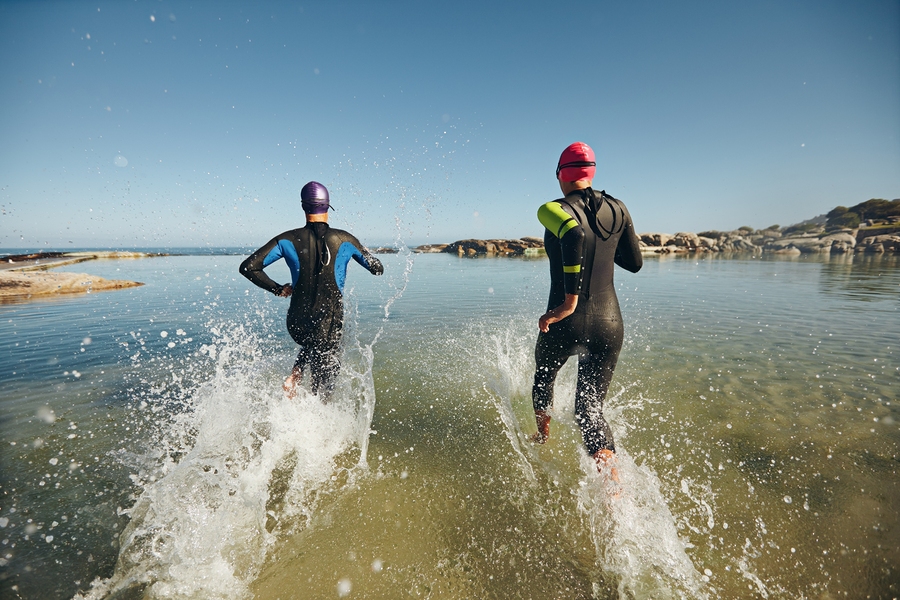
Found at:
[545, 321]
[286, 290]
[559, 313]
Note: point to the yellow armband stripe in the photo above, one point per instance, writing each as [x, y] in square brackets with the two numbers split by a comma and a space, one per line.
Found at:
[555, 219]
[571, 268]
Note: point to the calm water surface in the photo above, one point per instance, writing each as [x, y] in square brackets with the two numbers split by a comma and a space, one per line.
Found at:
[148, 452]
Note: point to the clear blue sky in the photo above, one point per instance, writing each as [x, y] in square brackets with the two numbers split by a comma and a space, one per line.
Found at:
[157, 123]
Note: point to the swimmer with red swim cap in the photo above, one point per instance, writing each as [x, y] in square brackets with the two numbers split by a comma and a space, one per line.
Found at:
[586, 233]
[317, 257]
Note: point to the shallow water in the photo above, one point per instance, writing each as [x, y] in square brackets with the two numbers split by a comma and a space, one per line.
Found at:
[148, 451]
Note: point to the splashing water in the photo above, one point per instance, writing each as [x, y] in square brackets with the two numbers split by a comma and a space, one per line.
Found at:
[238, 466]
[633, 531]
[506, 384]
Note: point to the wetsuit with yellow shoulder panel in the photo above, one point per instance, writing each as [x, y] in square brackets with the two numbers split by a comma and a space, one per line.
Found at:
[586, 234]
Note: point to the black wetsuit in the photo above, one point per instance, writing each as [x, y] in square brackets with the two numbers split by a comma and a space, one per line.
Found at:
[586, 234]
[317, 257]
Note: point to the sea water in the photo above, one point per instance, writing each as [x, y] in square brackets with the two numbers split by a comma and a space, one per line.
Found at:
[148, 450]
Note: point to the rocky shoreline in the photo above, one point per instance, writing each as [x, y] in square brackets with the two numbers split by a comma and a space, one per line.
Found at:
[872, 240]
[495, 247]
[810, 240]
[25, 276]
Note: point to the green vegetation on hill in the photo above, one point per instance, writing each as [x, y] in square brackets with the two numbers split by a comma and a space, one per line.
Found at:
[875, 209]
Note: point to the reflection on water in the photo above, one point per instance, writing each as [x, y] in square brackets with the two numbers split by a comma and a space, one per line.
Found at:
[755, 406]
[863, 277]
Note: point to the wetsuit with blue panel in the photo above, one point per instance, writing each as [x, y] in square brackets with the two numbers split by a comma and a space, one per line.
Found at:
[317, 257]
[586, 234]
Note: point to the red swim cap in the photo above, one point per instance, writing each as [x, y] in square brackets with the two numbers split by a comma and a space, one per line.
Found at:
[576, 162]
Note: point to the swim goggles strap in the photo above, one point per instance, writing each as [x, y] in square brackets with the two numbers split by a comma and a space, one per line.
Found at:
[577, 163]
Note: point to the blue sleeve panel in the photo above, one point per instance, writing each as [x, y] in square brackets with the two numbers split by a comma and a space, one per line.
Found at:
[285, 249]
[345, 252]
[252, 267]
[310, 253]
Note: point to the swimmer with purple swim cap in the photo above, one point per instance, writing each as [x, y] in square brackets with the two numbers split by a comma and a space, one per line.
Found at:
[317, 257]
[314, 198]
[586, 233]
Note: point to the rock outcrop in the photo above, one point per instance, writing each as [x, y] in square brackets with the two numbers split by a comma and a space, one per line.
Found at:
[496, 247]
[813, 240]
[18, 285]
[27, 276]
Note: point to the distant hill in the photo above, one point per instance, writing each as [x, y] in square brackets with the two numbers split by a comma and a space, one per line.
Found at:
[871, 211]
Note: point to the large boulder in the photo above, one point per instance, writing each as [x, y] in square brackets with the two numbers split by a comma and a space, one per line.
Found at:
[655, 239]
[430, 248]
[840, 242]
[805, 244]
[473, 247]
[879, 243]
[690, 241]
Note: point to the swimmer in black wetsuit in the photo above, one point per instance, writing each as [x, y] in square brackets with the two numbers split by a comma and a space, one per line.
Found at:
[587, 232]
[317, 257]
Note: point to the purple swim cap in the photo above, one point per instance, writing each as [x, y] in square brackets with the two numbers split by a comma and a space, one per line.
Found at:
[314, 198]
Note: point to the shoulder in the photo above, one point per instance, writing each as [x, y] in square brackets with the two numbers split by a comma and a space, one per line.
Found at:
[343, 241]
[616, 202]
[342, 236]
[558, 218]
[611, 198]
[557, 209]
[291, 234]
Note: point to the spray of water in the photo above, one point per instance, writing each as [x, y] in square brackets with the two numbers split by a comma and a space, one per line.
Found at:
[507, 384]
[634, 533]
[236, 467]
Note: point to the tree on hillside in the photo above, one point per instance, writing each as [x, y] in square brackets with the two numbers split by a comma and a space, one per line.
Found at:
[876, 208]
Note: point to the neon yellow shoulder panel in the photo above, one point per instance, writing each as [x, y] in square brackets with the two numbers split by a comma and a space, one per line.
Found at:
[555, 219]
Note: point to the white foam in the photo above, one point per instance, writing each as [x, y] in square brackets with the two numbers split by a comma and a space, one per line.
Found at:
[239, 466]
[634, 532]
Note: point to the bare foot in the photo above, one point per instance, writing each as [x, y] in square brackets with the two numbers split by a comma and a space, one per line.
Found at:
[538, 438]
[543, 427]
[291, 383]
[606, 463]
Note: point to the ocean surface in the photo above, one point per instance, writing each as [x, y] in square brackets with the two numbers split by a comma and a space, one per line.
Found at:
[148, 451]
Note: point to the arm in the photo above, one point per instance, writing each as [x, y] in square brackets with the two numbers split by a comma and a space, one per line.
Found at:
[368, 261]
[252, 269]
[566, 228]
[351, 248]
[559, 313]
[628, 250]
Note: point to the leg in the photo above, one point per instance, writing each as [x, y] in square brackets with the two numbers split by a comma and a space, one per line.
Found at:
[542, 419]
[549, 357]
[326, 361]
[324, 370]
[595, 372]
[296, 375]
